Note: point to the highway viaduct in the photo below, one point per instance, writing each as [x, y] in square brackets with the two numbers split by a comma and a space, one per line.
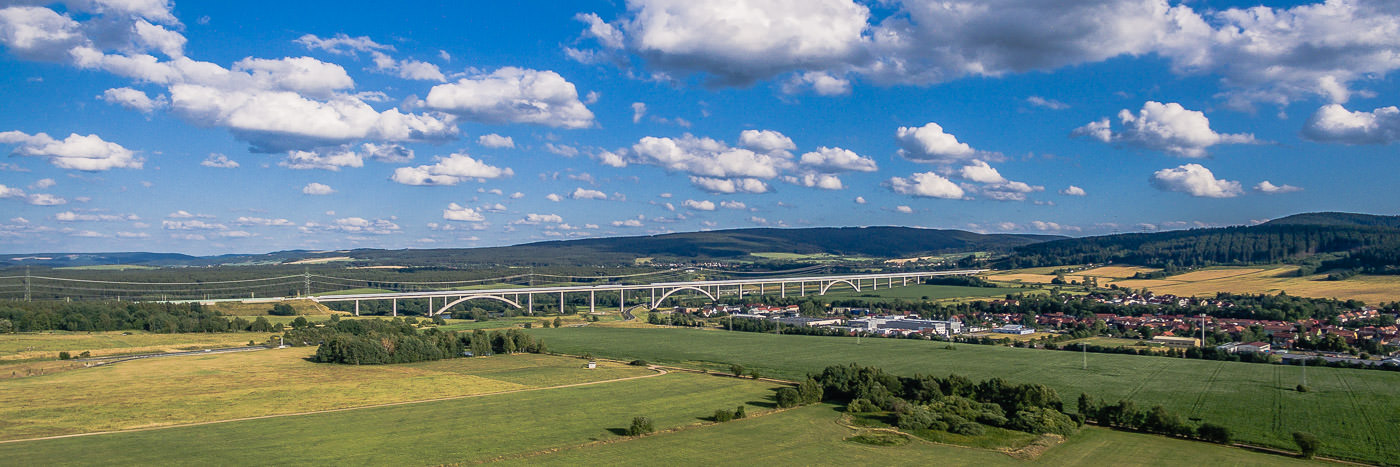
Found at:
[654, 294]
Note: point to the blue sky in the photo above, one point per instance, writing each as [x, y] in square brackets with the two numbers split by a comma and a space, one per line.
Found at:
[246, 127]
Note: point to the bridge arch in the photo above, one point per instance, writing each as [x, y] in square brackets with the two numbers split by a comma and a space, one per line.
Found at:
[828, 285]
[663, 297]
[474, 297]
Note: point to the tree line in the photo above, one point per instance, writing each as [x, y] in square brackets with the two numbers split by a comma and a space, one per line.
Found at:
[373, 342]
[122, 316]
[1260, 244]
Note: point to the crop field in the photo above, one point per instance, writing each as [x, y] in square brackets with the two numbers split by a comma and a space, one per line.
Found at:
[1117, 272]
[47, 345]
[920, 292]
[463, 430]
[1352, 411]
[1370, 289]
[303, 307]
[180, 390]
[809, 436]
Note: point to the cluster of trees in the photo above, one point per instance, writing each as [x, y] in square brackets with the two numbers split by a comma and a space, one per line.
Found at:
[120, 316]
[767, 325]
[676, 319]
[1260, 244]
[808, 392]
[965, 281]
[954, 403]
[1157, 419]
[370, 342]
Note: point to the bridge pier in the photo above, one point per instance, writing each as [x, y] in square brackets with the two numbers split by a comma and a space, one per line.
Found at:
[561, 303]
[782, 290]
[591, 303]
[357, 308]
[396, 307]
[529, 297]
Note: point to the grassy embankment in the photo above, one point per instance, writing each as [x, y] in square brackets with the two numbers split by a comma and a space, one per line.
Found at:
[464, 430]
[1353, 411]
[180, 390]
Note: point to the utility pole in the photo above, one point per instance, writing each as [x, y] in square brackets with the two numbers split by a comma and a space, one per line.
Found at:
[1085, 348]
[306, 280]
[26, 283]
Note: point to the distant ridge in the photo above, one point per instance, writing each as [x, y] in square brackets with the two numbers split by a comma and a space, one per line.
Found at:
[1338, 219]
[880, 242]
[1370, 242]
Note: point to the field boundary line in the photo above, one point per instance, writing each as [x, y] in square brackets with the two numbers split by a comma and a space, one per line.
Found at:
[659, 371]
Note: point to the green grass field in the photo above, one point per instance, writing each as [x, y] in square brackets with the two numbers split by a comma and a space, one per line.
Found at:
[46, 345]
[190, 389]
[1354, 412]
[808, 436]
[918, 292]
[456, 431]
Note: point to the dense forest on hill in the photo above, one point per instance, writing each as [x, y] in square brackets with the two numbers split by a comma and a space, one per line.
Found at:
[1373, 247]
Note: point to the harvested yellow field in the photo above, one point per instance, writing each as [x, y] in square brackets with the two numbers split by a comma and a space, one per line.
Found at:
[1024, 278]
[1117, 272]
[1370, 289]
[1213, 274]
[1141, 283]
[26, 346]
[302, 307]
[179, 390]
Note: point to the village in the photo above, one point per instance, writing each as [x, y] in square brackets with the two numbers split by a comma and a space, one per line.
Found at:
[1364, 336]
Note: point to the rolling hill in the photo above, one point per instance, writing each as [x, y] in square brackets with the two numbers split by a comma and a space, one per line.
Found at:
[1331, 240]
[881, 242]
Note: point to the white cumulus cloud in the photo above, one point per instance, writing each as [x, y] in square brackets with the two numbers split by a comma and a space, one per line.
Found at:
[456, 212]
[219, 161]
[926, 185]
[492, 140]
[449, 170]
[1168, 127]
[314, 188]
[583, 193]
[87, 153]
[1335, 124]
[1195, 180]
[133, 99]
[1270, 188]
[513, 95]
[930, 143]
[703, 205]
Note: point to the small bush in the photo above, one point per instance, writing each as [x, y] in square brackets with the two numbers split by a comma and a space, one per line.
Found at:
[739, 412]
[788, 397]
[1302, 388]
[1214, 433]
[1307, 444]
[723, 415]
[64, 355]
[638, 363]
[87, 354]
[641, 425]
